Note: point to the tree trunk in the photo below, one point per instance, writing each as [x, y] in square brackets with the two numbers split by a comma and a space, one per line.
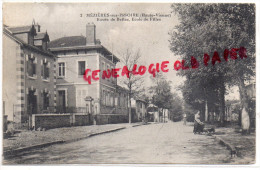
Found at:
[245, 119]
[206, 111]
[222, 101]
[130, 109]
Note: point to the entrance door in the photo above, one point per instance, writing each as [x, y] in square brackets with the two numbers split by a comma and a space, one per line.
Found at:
[62, 101]
[32, 103]
[31, 106]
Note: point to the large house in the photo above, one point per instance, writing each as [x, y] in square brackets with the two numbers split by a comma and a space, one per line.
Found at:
[75, 54]
[28, 74]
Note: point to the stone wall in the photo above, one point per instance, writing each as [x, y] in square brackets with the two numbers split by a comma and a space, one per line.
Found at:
[111, 119]
[50, 121]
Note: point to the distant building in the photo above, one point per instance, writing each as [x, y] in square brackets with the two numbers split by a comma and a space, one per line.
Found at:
[76, 54]
[153, 113]
[140, 109]
[28, 73]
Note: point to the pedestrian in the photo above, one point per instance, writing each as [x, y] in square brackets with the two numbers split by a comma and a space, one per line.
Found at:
[184, 118]
[198, 125]
[211, 118]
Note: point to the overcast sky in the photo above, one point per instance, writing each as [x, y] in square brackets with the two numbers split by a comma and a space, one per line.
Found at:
[62, 19]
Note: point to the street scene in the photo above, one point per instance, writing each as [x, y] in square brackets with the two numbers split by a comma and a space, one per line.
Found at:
[140, 144]
[121, 83]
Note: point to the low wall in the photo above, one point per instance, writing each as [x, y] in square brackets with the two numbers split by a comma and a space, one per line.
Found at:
[111, 119]
[82, 119]
[50, 121]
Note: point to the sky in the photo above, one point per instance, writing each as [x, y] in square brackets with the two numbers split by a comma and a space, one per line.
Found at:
[63, 19]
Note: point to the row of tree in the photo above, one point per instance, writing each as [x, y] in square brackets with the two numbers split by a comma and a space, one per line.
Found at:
[158, 93]
[210, 28]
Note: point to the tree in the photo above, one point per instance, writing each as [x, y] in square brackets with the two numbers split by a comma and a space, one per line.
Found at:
[163, 98]
[211, 28]
[133, 82]
[176, 109]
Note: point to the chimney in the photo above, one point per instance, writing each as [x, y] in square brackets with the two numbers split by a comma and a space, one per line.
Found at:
[90, 34]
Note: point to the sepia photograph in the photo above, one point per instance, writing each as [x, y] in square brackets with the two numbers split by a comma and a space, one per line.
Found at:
[128, 83]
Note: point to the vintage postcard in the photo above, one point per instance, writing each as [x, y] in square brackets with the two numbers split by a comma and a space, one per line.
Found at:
[128, 83]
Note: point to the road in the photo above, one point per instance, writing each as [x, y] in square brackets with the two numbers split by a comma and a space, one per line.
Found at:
[153, 143]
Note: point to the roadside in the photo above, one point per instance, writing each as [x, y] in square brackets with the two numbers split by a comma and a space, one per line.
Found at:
[24, 140]
[242, 147]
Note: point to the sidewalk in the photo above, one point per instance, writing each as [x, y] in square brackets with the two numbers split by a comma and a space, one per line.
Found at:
[25, 140]
[242, 147]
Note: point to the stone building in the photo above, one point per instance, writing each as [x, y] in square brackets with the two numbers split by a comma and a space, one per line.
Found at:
[75, 54]
[28, 74]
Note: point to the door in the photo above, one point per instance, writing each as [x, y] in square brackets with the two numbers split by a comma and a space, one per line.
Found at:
[61, 101]
[32, 103]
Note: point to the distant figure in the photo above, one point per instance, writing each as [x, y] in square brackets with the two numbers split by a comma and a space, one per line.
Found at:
[198, 125]
[184, 118]
[211, 117]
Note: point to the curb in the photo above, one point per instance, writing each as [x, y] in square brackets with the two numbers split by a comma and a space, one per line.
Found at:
[10, 153]
[233, 150]
[141, 124]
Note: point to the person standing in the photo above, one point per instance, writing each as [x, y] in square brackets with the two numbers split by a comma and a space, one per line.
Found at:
[184, 118]
[198, 125]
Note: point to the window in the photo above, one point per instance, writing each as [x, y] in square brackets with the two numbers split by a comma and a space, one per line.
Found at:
[81, 67]
[31, 66]
[119, 99]
[112, 99]
[45, 69]
[116, 101]
[61, 72]
[112, 78]
[45, 100]
[107, 99]
[80, 97]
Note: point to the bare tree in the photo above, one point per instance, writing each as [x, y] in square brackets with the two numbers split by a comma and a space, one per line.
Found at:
[134, 83]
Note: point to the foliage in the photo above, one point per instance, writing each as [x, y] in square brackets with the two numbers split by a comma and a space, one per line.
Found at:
[209, 28]
[164, 98]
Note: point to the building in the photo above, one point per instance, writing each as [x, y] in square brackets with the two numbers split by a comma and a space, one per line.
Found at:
[28, 74]
[139, 107]
[76, 54]
[153, 113]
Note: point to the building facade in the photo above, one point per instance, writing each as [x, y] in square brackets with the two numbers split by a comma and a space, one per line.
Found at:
[75, 54]
[140, 109]
[28, 74]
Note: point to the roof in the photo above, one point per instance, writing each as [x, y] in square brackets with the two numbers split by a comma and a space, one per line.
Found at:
[152, 105]
[22, 29]
[71, 41]
[122, 88]
[21, 42]
[76, 43]
[139, 99]
[42, 35]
